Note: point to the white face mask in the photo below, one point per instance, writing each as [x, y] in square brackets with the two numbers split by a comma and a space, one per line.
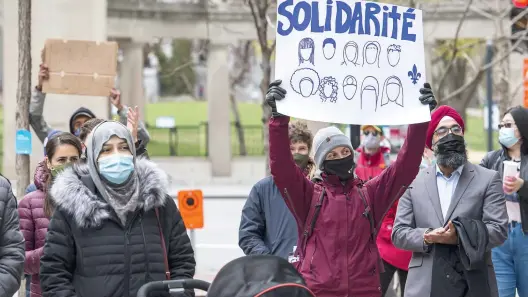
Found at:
[371, 142]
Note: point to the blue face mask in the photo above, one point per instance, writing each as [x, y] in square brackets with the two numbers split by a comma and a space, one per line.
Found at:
[507, 137]
[77, 132]
[116, 168]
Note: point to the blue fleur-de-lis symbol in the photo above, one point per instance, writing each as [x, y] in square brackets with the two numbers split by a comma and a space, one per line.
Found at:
[414, 75]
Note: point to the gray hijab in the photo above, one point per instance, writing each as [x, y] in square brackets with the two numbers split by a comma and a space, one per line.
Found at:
[122, 198]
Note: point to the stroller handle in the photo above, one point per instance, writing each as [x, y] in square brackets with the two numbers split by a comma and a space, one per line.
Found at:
[167, 285]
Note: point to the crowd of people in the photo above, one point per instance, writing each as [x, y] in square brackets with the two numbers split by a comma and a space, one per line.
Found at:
[98, 219]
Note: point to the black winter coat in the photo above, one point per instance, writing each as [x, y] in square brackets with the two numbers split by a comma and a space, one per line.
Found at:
[267, 226]
[12, 249]
[88, 252]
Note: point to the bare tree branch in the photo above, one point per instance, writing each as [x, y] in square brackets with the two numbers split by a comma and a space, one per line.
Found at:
[482, 70]
[455, 41]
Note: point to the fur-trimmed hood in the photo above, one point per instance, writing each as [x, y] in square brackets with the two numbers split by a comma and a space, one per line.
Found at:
[74, 192]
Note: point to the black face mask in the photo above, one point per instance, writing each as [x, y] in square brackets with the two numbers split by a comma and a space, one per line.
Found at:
[343, 168]
[451, 143]
[301, 160]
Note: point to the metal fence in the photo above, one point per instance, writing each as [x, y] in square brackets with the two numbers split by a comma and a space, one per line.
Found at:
[193, 140]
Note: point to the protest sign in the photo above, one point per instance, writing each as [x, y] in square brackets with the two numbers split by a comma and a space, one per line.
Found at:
[350, 62]
[79, 67]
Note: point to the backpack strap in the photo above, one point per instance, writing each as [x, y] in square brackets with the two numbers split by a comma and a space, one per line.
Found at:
[309, 227]
[367, 213]
[163, 246]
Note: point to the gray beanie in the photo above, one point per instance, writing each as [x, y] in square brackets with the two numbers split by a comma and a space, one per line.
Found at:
[327, 139]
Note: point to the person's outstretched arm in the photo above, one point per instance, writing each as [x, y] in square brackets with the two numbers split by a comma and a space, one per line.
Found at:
[58, 261]
[296, 189]
[36, 114]
[253, 226]
[392, 182]
[11, 242]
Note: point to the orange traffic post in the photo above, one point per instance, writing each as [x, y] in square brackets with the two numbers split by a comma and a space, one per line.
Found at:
[525, 82]
[190, 204]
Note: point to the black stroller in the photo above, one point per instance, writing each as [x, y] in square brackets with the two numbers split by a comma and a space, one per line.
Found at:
[251, 276]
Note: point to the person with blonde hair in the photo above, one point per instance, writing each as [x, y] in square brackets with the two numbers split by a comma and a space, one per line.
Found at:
[267, 226]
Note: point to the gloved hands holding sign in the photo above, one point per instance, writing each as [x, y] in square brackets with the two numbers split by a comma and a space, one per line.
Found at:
[275, 92]
[428, 97]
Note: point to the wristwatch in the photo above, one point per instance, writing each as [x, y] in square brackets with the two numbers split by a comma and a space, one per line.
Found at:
[426, 232]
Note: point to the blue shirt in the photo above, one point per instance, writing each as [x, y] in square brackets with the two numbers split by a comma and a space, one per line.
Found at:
[446, 187]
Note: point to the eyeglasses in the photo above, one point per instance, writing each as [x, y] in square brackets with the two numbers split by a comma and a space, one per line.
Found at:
[443, 131]
[367, 133]
[506, 125]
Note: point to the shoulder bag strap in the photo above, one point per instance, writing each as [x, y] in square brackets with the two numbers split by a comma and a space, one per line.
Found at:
[163, 246]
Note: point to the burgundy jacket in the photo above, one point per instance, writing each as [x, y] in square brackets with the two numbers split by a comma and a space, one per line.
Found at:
[340, 258]
[368, 167]
[34, 225]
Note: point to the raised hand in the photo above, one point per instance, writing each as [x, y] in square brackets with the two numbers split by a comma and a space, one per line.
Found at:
[115, 99]
[275, 92]
[43, 75]
[132, 122]
[427, 96]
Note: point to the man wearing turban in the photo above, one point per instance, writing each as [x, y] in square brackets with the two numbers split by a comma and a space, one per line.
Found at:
[450, 217]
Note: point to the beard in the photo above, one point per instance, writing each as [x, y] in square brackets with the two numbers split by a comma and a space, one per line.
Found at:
[451, 160]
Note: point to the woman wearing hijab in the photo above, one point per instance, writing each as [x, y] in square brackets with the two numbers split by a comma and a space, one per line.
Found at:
[114, 227]
[510, 260]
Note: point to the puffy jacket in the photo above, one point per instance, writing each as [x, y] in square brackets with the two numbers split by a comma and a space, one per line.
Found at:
[88, 251]
[340, 257]
[368, 167]
[267, 226]
[11, 242]
[34, 226]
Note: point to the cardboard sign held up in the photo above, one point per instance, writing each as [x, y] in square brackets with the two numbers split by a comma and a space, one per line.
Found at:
[80, 67]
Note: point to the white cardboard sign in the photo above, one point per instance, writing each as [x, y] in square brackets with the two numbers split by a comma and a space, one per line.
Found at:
[350, 62]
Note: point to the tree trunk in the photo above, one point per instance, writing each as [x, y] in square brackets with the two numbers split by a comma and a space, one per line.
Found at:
[266, 110]
[24, 88]
[23, 97]
[238, 125]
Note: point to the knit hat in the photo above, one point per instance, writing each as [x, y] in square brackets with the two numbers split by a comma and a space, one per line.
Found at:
[327, 139]
[437, 116]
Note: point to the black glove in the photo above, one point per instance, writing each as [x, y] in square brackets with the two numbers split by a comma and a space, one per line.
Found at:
[427, 96]
[275, 92]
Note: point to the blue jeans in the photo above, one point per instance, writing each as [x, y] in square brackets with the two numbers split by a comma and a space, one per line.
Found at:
[510, 261]
[28, 285]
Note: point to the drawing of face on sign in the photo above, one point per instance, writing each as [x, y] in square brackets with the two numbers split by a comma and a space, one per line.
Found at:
[371, 52]
[329, 48]
[305, 82]
[350, 53]
[393, 54]
[392, 91]
[306, 51]
[349, 87]
[369, 91]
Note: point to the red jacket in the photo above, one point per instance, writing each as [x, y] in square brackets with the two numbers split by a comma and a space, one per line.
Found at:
[34, 226]
[340, 259]
[368, 167]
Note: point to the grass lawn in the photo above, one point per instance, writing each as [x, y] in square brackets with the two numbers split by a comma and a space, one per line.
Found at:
[190, 138]
[477, 137]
